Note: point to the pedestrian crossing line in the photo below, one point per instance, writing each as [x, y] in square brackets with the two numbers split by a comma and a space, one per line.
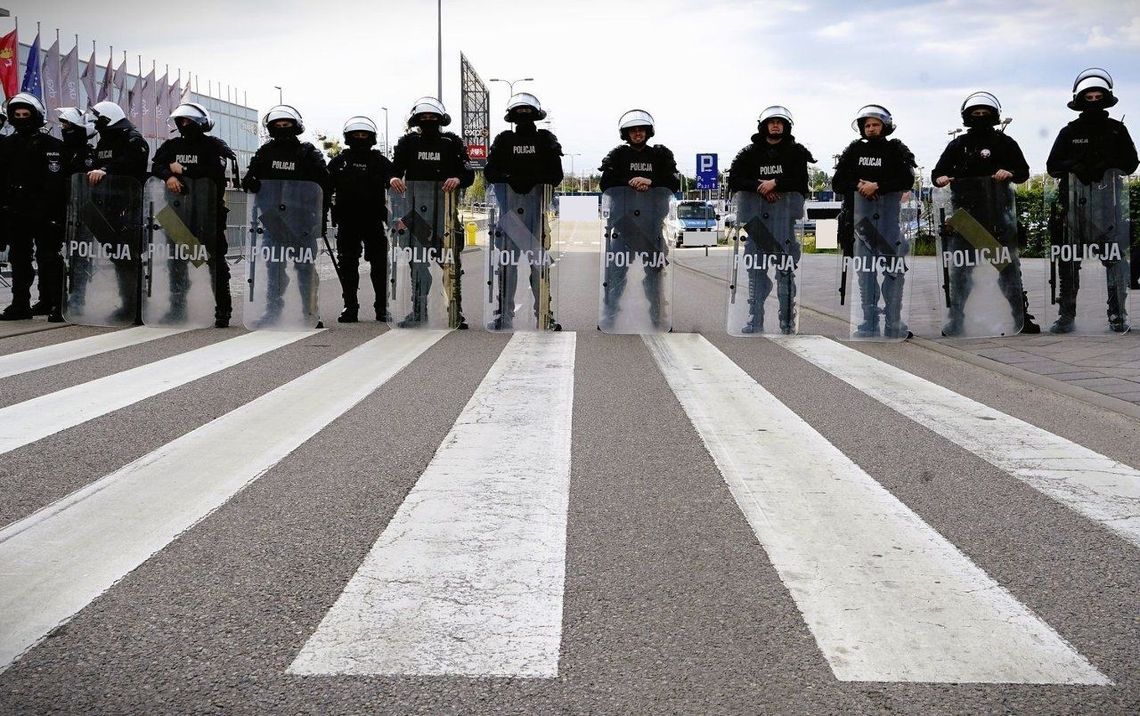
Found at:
[1098, 487]
[886, 597]
[47, 356]
[56, 561]
[35, 419]
[467, 579]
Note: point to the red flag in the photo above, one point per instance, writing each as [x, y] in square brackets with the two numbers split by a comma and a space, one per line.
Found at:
[10, 64]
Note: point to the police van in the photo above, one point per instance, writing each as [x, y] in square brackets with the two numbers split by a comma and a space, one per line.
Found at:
[694, 223]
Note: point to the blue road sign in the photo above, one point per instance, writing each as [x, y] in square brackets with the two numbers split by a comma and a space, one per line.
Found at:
[706, 171]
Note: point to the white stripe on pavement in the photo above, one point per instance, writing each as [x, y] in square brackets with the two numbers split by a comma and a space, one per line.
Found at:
[1096, 486]
[46, 415]
[53, 563]
[468, 577]
[37, 358]
[886, 597]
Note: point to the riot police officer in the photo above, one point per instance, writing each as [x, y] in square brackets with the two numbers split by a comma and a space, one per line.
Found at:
[78, 130]
[772, 165]
[35, 199]
[121, 152]
[984, 152]
[873, 166]
[195, 154]
[522, 158]
[426, 153]
[1087, 147]
[286, 158]
[642, 166]
[359, 178]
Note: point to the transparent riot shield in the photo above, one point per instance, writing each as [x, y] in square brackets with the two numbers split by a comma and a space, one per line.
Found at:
[766, 250]
[877, 290]
[977, 253]
[104, 239]
[424, 244]
[179, 261]
[636, 249]
[521, 241]
[281, 253]
[1088, 266]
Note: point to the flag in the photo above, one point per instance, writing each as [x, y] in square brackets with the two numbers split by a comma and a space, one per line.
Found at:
[89, 80]
[69, 79]
[10, 64]
[122, 96]
[134, 104]
[107, 91]
[51, 81]
[174, 93]
[185, 91]
[33, 80]
[162, 108]
[146, 106]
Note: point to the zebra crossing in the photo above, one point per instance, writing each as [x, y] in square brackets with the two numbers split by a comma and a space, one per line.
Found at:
[468, 576]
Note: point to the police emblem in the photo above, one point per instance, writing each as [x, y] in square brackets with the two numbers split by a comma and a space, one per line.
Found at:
[985, 154]
[53, 166]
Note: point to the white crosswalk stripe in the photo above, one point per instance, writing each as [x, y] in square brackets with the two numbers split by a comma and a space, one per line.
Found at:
[38, 358]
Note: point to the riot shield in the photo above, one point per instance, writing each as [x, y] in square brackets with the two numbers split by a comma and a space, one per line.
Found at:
[281, 253]
[635, 247]
[766, 250]
[521, 240]
[104, 240]
[878, 269]
[179, 262]
[977, 253]
[424, 243]
[1088, 263]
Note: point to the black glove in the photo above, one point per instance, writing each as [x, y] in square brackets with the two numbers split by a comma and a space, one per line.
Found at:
[251, 184]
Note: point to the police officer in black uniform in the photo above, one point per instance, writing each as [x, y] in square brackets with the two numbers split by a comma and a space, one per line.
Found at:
[286, 157]
[1087, 147]
[121, 151]
[78, 131]
[774, 164]
[872, 166]
[426, 153]
[359, 178]
[641, 166]
[983, 152]
[35, 203]
[195, 154]
[522, 158]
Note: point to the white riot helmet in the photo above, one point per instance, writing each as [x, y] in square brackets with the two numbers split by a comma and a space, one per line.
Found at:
[32, 102]
[1092, 78]
[636, 118]
[983, 100]
[428, 105]
[107, 114]
[524, 99]
[359, 123]
[874, 111]
[73, 116]
[775, 112]
[194, 112]
[284, 111]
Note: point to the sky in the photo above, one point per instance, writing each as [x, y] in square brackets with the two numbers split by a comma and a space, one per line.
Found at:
[705, 69]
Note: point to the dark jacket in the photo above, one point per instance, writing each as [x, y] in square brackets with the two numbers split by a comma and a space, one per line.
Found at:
[201, 157]
[981, 152]
[359, 181]
[786, 162]
[1089, 146]
[523, 158]
[286, 159]
[887, 162]
[122, 151]
[655, 163]
[438, 157]
[33, 176]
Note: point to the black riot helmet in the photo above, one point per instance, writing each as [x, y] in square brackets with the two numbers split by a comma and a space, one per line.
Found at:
[24, 100]
[1094, 78]
[981, 100]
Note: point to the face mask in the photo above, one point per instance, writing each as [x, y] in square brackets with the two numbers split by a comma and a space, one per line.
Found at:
[360, 143]
[74, 136]
[25, 124]
[283, 132]
[190, 131]
[429, 128]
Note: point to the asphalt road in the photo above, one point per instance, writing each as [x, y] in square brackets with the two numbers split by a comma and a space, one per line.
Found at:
[671, 602]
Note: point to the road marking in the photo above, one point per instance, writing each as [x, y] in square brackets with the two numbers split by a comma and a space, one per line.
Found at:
[1098, 487]
[468, 577]
[46, 415]
[37, 358]
[886, 597]
[56, 561]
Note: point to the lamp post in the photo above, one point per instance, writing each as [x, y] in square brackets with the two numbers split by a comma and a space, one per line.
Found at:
[511, 84]
[280, 99]
[387, 147]
[576, 181]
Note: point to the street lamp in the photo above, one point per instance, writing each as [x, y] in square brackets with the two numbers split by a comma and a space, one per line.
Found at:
[387, 147]
[511, 84]
[280, 100]
[576, 154]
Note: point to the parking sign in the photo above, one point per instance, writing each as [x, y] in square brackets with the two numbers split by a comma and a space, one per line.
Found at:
[706, 171]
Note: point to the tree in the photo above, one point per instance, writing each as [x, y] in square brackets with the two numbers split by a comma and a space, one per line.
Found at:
[331, 146]
[818, 180]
